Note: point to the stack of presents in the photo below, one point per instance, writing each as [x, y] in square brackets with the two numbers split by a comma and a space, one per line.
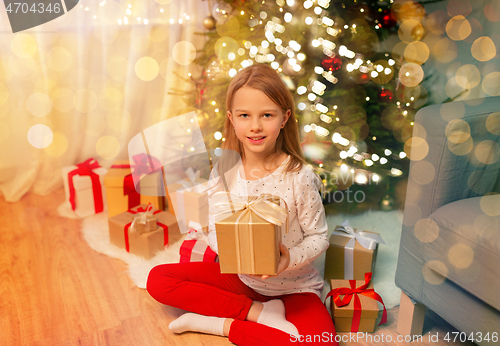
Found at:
[140, 219]
[248, 230]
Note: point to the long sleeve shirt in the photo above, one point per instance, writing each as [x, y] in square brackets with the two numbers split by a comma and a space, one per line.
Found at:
[307, 236]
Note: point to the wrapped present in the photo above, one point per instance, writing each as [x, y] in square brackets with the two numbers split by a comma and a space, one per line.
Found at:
[189, 200]
[354, 305]
[123, 195]
[351, 253]
[248, 240]
[147, 244]
[83, 187]
[195, 248]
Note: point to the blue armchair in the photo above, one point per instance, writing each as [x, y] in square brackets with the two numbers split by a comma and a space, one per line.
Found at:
[449, 258]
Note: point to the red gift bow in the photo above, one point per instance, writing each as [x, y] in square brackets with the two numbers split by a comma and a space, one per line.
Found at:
[86, 168]
[143, 164]
[142, 210]
[348, 293]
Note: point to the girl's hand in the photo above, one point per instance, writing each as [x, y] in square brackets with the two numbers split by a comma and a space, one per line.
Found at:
[283, 263]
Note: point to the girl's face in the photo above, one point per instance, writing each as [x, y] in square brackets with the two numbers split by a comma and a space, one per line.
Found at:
[257, 121]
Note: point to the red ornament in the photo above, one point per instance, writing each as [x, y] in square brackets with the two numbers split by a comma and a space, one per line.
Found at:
[387, 19]
[332, 64]
[385, 95]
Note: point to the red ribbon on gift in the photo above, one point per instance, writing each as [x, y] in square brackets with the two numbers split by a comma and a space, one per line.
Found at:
[143, 164]
[86, 169]
[348, 293]
[142, 210]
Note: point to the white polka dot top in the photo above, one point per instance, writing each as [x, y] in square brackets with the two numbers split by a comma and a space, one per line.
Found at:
[307, 236]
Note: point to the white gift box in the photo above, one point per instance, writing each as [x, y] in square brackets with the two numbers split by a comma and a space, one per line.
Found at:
[84, 194]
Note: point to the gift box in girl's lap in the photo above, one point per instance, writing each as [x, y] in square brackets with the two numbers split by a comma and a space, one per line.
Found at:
[124, 234]
[83, 187]
[121, 192]
[248, 243]
[351, 253]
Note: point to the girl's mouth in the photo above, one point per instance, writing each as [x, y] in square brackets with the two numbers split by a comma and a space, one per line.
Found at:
[256, 140]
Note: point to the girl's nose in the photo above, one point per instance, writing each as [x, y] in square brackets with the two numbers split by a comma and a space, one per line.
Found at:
[256, 124]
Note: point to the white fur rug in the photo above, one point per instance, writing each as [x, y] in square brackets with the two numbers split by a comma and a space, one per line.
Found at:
[388, 224]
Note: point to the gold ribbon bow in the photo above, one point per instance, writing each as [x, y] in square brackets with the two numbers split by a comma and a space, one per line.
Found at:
[223, 203]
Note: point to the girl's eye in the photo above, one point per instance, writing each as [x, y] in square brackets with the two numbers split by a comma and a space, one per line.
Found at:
[243, 115]
[270, 115]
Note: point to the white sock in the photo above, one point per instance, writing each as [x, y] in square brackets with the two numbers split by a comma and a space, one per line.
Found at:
[273, 315]
[198, 323]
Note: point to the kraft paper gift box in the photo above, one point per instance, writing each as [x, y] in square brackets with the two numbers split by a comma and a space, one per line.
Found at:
[83, 187]
[147, 244]
[361, 312]
[351, 253]
[120, 191]
[189, 200]
[248, 240]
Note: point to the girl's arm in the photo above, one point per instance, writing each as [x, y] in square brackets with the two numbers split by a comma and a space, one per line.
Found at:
[311, 217]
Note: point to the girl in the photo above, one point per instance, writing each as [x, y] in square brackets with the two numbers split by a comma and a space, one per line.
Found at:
[284, 309]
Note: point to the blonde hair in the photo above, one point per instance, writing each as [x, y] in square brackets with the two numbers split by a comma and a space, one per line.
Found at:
[264, 78]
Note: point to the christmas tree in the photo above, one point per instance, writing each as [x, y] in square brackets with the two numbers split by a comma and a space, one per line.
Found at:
[355, 91]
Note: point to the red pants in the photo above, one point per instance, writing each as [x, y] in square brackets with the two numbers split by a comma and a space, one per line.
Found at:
[199, 287]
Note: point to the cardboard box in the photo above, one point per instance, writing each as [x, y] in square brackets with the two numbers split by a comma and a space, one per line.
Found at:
[146, 244]
[251, 246]
[343, 316]
[85, 203]
[364, 259]
[195, 205]
[150, 186]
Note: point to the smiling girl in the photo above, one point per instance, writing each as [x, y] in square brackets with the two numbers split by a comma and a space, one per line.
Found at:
[251, 309]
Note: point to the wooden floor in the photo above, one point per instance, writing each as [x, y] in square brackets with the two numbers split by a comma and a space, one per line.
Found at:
[55, 290]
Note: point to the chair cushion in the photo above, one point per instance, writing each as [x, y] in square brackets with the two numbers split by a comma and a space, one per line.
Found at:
[467, 247]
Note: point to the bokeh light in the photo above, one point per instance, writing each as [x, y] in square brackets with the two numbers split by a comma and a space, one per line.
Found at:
[491, 84]
[422, 172]
[40, 136]
[416, 148]
[416, 52]
[457, 131]
[445, 50]
[147, 69]
[23, 45]
[227, 26]
[107, 147]
[483, 49]
[158, 33]
[493, 123]
[461, 149]
[411, 74]
[492, 11]
[458, 28]
[435, 272]
[224, 46]
[426, 230]
[407, 10]
[461, 255]
[454, 89]
[39, 104]
[468, 76]
[110, 98]
[490, 204]
[58, 146]
[487, 152]
[184, 53]
[410, 30]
